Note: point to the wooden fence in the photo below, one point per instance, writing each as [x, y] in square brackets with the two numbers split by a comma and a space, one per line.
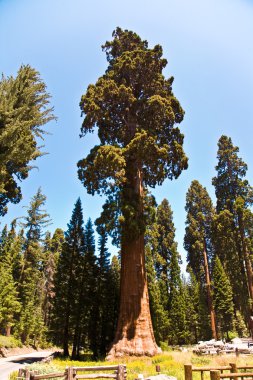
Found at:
[73, 373]
[217, 373]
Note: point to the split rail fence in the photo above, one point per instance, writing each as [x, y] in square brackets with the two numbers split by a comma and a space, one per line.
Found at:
[73, 373]
[217, 373]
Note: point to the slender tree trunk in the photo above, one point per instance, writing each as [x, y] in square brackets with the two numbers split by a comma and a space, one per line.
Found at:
[8, 330]
[66, 335]
[134, 333]
[246, 259]
[209, 296]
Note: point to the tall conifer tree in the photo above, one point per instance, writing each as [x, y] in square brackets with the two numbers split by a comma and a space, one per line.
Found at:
[235, 195]
[223, 299]
[24, 110]
[134, 109]
[198, 242]
[30, 327]
[68, 282]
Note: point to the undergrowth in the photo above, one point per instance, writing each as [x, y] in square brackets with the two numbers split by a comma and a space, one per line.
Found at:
[9, 342]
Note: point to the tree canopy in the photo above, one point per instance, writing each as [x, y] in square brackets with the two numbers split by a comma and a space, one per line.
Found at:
[24, 110]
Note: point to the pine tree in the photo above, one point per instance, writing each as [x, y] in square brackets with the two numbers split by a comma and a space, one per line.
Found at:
[159, 314]
[134, 109]
[91, 283]
[53, 249]
[192, 306]
[103, 296]
[114, 291]
[31, 327]
[68, 282]
[178, 333]
[223, 299]
[9, 302]
[197, 241]
[234, 194]
[24, 109]
[166, 246]
[225, 245]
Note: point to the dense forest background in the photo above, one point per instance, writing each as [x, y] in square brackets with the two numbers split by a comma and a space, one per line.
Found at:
[60, 288]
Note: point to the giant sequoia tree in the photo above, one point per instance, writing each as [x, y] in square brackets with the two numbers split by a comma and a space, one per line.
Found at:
[135, 112]
[24, 109]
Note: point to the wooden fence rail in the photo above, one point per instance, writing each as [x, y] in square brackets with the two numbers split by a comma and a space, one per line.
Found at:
[73, 373]
[216, 375]
[232, 368]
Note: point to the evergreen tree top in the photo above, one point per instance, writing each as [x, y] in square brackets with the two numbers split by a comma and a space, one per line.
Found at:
[229, 182]
[37, 218]
[24, 110]
[135, 110]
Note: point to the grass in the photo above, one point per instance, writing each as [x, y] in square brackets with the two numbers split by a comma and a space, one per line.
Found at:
[9, 342]
[171, 363]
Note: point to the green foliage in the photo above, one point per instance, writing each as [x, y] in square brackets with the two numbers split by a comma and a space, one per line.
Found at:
[107, 295]
[69, 279]
[9, 302]
[234, 222]
[223, 298]
[30, 326]
[135, 112]
[229, 183]
[13, 375]
[198, 229]
[24, 109]
[9, 342]
[240, 325]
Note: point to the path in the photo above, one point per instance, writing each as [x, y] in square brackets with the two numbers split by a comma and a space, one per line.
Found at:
[13, 363]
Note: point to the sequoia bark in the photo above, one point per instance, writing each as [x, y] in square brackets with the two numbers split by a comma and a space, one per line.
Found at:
[134, 334]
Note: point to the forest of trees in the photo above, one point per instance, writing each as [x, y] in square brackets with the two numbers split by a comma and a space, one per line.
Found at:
[63, 288]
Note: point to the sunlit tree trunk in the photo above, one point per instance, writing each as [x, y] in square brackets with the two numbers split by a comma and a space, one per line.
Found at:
[134, 334]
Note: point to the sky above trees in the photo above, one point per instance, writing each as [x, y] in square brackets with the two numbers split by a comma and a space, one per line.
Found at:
[208, 45]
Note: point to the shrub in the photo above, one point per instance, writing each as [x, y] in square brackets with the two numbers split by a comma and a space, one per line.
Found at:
[9, 342]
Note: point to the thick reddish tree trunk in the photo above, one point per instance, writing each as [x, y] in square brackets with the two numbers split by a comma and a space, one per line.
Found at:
[134, 334]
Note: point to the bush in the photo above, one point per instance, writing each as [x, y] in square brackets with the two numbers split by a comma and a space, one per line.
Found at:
[9, 342]
[13, 375]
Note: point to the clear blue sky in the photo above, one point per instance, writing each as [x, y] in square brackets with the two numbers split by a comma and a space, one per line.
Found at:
[208, 44]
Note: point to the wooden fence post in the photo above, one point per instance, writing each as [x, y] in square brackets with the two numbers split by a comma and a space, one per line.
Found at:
[70, 373]
[188, 372]
[215, 375]
[233, 367]
[121, 372]
[27, 374]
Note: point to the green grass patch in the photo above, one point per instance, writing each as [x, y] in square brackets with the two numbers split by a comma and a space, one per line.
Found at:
[135, 366]
[171, 363]
[9, 342]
